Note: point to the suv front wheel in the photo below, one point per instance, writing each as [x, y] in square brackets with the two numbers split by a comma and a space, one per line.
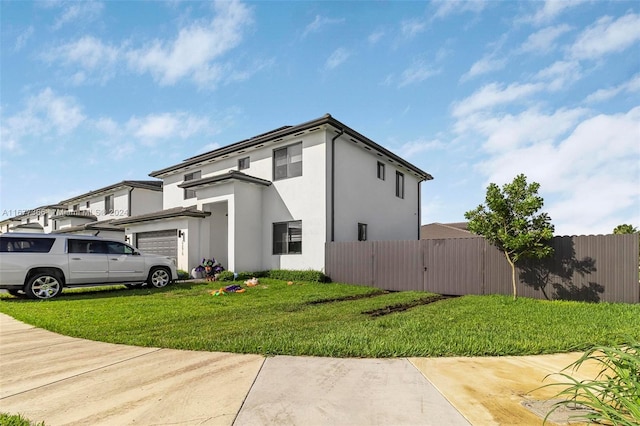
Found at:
[159, 277]
[43, 285]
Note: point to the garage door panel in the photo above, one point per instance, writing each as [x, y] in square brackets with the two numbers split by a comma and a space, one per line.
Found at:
[164, 243]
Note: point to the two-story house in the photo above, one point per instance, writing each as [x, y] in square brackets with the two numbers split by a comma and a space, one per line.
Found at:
[274, 200]
[93, 212]
[36, 220]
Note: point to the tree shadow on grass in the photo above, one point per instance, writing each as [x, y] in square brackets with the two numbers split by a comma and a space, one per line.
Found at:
[562, 276]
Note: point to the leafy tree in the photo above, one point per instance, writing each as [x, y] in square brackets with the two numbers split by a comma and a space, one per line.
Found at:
[625, 229]
[510, 220]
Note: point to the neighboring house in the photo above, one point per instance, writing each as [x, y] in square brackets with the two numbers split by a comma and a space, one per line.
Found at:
[36, 220]
[436, 231]
[93, 212]
[274, 200]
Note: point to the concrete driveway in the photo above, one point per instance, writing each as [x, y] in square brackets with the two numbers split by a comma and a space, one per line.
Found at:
[67, 381]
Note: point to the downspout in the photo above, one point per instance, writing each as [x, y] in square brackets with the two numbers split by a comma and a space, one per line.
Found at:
[333, 184]
[419, 207]
[129, 206]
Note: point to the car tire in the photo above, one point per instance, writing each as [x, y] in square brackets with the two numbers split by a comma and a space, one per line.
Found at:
[159, 277]
[43, 285]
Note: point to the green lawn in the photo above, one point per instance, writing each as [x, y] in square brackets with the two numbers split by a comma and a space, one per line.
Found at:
[275, 318]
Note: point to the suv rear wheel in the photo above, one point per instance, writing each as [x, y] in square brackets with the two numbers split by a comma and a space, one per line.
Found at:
[159, 277]
[43, 285]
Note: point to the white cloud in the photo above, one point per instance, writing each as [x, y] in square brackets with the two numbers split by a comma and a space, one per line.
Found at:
[338, 57]
[45, 115]
[412, 27]
[91, 55]
[494, 94]
[410, 149]
[585, 177]
[631, 86]
[484, 66]
[84, 11]
[445, 8]
[196, 48]
[543, 41]
[551, 9]
[607, 36]
[319, 23]
[22, 39]
[560, 74]
[155, 127]
[417, 73]
[375, 37]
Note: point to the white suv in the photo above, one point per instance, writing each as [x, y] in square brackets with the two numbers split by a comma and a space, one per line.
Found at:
[40, 265]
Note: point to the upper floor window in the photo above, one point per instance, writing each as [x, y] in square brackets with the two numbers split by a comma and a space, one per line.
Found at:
[88, 204]
[399, 185]
[108, 204]
[191, 193]
[362, 232]
[287, 237]
[243, 163]
[76, 207]
[380, 170]
[287, 161]
[46, 219]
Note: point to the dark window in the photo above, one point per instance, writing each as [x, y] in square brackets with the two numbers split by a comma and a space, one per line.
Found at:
[76, 207]
[362, 232]
[380, 170]
[108, 204]
[191, 193]
[287, 162]
[287, 237]
[399, 185]
[26, 245]
[46, 219]
[118, 248]
[243, 163]
[87, 247]
[88, 204]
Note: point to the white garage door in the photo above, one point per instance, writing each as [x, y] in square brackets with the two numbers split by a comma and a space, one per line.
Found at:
[164, 243]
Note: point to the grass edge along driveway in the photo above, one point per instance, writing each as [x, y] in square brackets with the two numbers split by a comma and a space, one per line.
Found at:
[336, 320]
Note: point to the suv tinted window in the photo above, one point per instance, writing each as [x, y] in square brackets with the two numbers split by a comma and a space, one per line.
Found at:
[26, 244]
[118, 248]
[87, 246]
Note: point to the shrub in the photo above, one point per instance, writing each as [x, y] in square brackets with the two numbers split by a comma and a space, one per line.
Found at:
[613, 397]
[307, 275]
[277, 274]
[183, 275]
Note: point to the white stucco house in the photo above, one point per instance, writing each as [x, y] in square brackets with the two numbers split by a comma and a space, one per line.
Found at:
[92, 212]
[274, 200]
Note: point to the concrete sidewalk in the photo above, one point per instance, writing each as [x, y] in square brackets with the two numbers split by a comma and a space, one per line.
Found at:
[67, 381]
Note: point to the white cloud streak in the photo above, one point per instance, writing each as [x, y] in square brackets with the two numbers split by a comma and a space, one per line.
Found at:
[544, 40]
[337, 58]
[607, 36]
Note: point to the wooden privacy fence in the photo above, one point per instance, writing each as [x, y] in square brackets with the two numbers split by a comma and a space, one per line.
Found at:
[589, 268]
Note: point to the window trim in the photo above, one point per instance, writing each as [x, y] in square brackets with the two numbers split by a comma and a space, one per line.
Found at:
[241, 165]
[289, 163]
[362, 231]
[287, 245]
[399, 184]
[188, 193]
[109, 202]
[381, 170]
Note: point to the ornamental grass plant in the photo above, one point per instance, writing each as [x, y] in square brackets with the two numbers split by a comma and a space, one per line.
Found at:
[613, 396]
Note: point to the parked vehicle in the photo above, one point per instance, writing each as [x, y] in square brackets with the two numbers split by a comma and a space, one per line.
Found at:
[41, 265]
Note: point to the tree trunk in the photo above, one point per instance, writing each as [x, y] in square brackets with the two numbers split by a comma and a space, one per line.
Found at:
[513, 275]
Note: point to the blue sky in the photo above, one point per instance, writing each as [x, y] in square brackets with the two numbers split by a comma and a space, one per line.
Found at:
[473, 92]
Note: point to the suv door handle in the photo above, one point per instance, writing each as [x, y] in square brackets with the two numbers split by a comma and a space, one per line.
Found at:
[76, 258]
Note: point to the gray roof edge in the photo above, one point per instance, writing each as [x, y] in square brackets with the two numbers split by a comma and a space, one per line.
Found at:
[286, 131]
[232, 174]
[153, 185]
[163, 214]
